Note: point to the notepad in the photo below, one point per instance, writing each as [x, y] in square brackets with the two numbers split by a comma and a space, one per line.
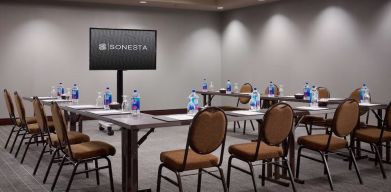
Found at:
[44, 98]
[246, 112]
[85, 107]
[57, 100]
[311, 108]
[109, 112]
[181, 117]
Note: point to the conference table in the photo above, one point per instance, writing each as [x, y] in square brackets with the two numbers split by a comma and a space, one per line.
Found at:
[151, 120]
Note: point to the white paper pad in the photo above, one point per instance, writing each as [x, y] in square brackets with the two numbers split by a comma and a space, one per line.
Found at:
[335, 99]
[368, 104]
[311, 108]
[246, 112]
[109, 112]
[57, 100]
[85, 107]
[288, 96]
[181, 117]
[44, 98]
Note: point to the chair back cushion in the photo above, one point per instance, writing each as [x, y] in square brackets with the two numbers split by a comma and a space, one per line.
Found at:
[40, 116]
[355, 95]
[8, 102]
[59, 125]
[323, 92]
[20, 109]
[277, 124]
[345, 118]
[207, 130]
[246, 88]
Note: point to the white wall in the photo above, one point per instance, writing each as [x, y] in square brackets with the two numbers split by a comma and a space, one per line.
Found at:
[338, 44]
[41, 45]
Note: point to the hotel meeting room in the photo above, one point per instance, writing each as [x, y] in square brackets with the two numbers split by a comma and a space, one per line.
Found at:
[195, 95]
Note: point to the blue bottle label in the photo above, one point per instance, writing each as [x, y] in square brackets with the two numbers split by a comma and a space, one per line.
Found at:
[204, 86]
[108, 99]
[75, 94]
[136, 104]
[229, 87]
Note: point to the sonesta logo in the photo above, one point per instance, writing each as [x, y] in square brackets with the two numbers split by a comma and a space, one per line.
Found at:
[108, 46]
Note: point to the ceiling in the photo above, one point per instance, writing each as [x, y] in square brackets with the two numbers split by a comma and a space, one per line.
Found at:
[206, 5]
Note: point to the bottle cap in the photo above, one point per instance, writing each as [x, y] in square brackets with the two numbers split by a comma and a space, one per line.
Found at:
[193, 90]
[74, 84]
[107, 88]
[134, 90]
[271, 82]
[255, 88]
[60, 83]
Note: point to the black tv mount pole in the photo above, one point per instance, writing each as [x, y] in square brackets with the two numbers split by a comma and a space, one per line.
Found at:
[120, 85]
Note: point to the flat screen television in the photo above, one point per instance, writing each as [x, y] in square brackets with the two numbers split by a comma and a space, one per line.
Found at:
[122, 49]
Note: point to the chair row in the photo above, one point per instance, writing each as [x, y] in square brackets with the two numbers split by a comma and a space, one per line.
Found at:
[69, 147]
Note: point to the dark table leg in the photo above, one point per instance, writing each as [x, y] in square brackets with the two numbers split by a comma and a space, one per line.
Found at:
[72, 121]
[129, 160]
[209, 100]
[204, 102]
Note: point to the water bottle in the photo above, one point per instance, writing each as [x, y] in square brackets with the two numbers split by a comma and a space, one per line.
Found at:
[271, 89]
[107, 99]
[314, 97]
[99, 99]
[75, 93]
[204, 86]
[53, 93]
[191, 105]
[229, 87]
[125, 103]
[195, 98]
[135, 102]
[307, 92]
[255, 100]
[363, 91]
[236, 88]
[60, 91]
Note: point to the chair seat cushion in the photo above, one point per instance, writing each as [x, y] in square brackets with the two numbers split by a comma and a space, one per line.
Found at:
[319, 142]
[73, 138]
[246, 151]
[91, 149]
[372, 135]
[174, 160]
[35, 129]
[29, 120]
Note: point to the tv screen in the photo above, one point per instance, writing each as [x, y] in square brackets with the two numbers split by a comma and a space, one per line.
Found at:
[122, 49]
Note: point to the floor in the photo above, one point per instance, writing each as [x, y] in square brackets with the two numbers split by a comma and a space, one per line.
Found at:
[17, 177]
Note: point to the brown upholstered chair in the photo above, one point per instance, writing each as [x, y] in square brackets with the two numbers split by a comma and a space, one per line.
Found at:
[245, 88]
[376, 137]
[266, 103]
[51, 138]
[206, 134]
[80, 153]
[345, 120]
[309, 121]
[15, 121]
[274, 132]
[32, 131]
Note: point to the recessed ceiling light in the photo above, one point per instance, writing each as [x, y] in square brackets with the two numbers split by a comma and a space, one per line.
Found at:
[261, 0]
[220, 8]
[143, 2]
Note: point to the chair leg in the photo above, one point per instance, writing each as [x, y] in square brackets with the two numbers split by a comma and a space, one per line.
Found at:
[72, 176]
[20, 144]
[9, 137]
[290, 174]
[97, 172]
[86, 168]
[307, 129]
[50, 166]
[16, 138]
[27, 148]
[178, 176]
[58, 173]
[298, 162]
[39, 159]
[252, 176]
[199, 180]
[234, 126]
[327, 170]
[110, 174]
[223, 179]
[159, 178]
[252, 125]
[244, 127]
[378, 158]
[263, 173]
[353, 158]
[229, 171]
